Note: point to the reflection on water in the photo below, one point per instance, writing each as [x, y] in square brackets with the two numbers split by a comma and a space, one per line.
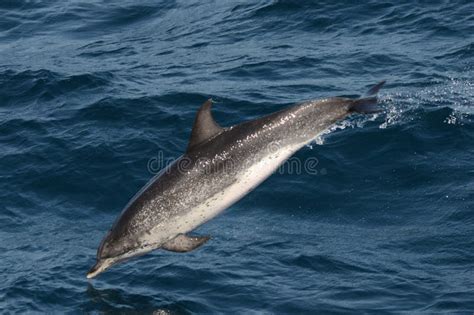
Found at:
[114, 300]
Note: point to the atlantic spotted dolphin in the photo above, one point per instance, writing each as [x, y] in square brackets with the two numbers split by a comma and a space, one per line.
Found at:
[219, 167]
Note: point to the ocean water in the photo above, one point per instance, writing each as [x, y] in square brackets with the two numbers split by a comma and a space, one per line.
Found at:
[94, 93]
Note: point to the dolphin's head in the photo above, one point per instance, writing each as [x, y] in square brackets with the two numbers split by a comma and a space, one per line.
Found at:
[105, 256]
[114, 248]
[124, 240]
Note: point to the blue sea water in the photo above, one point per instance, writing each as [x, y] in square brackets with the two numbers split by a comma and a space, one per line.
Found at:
[92, 91]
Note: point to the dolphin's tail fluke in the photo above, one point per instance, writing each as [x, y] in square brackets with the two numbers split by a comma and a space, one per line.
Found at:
[364, 106]
[367, 105]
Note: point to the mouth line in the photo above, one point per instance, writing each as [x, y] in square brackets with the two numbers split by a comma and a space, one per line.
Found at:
[103, 264]
[99, 267]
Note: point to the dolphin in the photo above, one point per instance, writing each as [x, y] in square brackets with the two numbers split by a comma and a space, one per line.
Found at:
[219, 167]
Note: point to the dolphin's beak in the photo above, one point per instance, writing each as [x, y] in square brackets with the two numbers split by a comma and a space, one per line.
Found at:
[99, 267]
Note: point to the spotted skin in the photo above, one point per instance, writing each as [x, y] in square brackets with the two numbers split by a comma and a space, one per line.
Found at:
[213, 175]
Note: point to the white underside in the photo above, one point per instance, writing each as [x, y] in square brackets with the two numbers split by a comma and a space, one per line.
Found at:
[217, 203]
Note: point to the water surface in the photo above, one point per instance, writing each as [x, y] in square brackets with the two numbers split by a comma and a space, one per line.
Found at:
[92, 91]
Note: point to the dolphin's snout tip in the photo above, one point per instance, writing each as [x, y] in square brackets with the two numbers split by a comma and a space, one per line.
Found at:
[90, 275]
[93, 271]
[98, 267]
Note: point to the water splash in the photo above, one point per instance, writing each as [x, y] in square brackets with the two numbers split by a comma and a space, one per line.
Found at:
[456, 94]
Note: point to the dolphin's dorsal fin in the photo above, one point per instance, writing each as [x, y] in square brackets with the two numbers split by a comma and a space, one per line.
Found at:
[205, 127]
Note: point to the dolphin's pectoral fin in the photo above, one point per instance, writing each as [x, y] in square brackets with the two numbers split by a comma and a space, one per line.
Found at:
[184, 243]
[205, 127]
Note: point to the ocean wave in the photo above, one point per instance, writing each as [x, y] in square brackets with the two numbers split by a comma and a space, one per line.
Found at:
[90, 92]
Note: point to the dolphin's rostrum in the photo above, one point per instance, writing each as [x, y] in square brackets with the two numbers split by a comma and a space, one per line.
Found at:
[220, 166]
